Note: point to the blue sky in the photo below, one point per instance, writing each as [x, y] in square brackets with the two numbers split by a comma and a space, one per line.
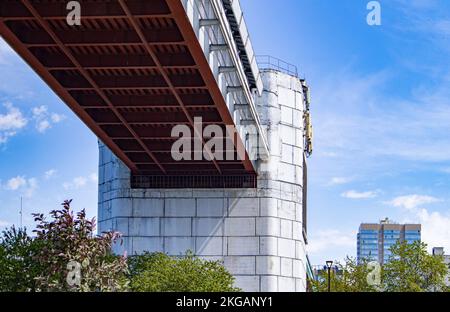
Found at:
[381, 112]
[46, 153]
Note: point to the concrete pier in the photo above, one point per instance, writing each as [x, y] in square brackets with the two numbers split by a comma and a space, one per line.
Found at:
[259, 233]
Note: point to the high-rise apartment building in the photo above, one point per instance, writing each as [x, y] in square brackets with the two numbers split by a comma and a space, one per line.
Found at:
[376, 239]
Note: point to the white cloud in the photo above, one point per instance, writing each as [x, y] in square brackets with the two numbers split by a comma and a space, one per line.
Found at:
[327, 239]
[43, 125]
[407, 5]
[56, 118]
[22, 184]
[79, 182]
[381, 131]
[339, 180]
[426, 19]
[32, 185]
[76, 183]
[39, 111]
[352, 194]
[372, 124]
[44, 119]
[50, 174]
[93, 177]
[11, 122]
[14, 184]
[442, 28]
[413, 201]
[435, 229]
[13, 119]
[435, 225]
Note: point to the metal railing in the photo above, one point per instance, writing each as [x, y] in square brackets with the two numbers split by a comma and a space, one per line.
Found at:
[192, 181]
[270, 62]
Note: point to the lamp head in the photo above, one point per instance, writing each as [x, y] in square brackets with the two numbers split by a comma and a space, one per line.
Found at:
[329, 264]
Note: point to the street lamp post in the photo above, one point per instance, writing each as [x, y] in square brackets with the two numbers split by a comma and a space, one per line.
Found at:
[329, 264]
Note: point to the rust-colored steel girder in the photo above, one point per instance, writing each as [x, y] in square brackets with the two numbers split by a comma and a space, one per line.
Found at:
[131, 71]
[170, 81]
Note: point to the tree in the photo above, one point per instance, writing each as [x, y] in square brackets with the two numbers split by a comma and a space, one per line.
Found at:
[66, 255]
[409, 269]
[349, 277]
[18, 268]
[412, 269]
[158, 272]
[73, 258]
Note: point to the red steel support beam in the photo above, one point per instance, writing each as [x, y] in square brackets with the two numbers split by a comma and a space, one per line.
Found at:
[44, 24]
[136, 88]
[184, 24]
[52, 59]
[104, 44]
[63, 94]
[149, 100]
[99, 74]
[90, 9]
[166, 76]
[38, 36]
[64, 68]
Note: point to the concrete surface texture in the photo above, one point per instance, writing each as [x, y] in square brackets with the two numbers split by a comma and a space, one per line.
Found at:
[257, 233]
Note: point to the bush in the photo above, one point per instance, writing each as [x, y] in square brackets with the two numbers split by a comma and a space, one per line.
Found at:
[66, 255]
[158, 272]
[73, 258]
[18, 266]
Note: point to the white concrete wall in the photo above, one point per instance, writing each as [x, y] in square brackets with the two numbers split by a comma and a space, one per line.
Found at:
[257, 233]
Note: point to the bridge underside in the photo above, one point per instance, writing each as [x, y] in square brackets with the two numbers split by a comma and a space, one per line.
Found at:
[131, 71]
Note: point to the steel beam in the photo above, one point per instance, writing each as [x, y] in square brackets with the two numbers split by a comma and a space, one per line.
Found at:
[189, 35]
[63, 94]
[167, 77]
[44, 24]
[93, 37]
[90, 9]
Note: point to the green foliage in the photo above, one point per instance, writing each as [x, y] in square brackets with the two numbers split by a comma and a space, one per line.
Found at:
[350, 277]
[158, 272]
[68, 239]
[66, 255]
[412, 269]
[18, 268]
